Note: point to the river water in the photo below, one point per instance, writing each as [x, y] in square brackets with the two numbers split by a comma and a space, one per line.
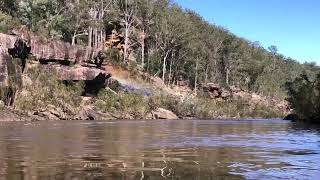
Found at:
[184, 149]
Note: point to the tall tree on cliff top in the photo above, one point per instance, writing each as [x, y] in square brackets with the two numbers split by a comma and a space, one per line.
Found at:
[127, 10]
[274, 50]
[97, 11]
[144, 19]
[9, 6]
[78, 19]
[172, 33]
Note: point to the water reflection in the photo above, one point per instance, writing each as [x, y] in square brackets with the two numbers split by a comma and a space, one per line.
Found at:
[159, 150]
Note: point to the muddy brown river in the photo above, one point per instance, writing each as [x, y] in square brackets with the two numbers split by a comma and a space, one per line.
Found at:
[184, 149]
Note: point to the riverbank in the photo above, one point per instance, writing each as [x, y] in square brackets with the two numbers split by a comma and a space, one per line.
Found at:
[9, 115]
[54, 80]
[128, 96]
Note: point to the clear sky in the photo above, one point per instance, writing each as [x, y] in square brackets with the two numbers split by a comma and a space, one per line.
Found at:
[292, 25]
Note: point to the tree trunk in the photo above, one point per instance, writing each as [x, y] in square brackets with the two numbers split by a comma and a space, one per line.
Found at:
[125, 54]
[170, 71]
[206, 74]
[102, 39]
[143, 49]
[148, 61]
[95, 35]
[90, 37]
[227, 76]
[164, 68]
[74, 38]
[196, 77]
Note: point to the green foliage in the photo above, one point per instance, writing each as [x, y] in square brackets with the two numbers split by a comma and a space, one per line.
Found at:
[44, 90]
[115, 57]
[7, 23]
[7, 94]
[123, 105]
[207, 108]
[176, 43]
[304, 97]
[173, 43]
[133, 69]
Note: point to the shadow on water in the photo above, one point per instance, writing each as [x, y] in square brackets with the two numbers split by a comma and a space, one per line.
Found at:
[301, 126]
[158, 150]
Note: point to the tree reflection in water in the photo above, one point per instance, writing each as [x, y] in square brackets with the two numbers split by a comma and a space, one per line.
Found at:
[157, 150]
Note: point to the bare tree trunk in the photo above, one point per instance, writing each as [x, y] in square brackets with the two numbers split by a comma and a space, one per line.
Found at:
[148, 61]
[143, 48]
[102, 39]
[96, 37]
[170, 72]
[215, 68]
[125, 54]
[74, 38]
[206, 74]
[196, 77]
[227, 76]
[90, 37]
[164, 68]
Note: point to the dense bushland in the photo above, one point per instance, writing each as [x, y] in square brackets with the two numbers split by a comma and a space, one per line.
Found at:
[304, 97]
[42, 89]
[162, 39]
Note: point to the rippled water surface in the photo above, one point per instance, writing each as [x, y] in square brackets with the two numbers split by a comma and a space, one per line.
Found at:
[185, 149]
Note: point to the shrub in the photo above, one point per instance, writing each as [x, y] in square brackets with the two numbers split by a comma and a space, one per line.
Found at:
[304, 97]
[45, 90]
[115, 57]
[123, 105]
[7, 94]
[7, 23]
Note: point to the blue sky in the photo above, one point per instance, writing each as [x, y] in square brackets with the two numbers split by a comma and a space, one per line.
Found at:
[292, 25]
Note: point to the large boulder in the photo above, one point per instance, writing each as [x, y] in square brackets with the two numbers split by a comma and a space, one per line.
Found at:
[213, 90]
[50, 112]
[87, 113]
[161, 113]
[76, 73]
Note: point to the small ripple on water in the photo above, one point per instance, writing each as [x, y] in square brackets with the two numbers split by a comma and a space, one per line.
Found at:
[160, 149]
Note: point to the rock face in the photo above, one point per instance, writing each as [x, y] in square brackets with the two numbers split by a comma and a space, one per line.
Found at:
[68, 62]
[61, 51]
[216, 91]
[76, 73]
[3, 71]
[50, 52]
[161, 113]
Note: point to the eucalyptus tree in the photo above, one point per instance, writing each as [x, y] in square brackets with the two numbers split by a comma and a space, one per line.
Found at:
[127, 10]
[172, 32]
[144, 19]
[9, 7]
[98, 10]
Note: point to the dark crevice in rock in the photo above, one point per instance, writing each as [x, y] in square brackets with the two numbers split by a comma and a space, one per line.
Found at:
[92, 87]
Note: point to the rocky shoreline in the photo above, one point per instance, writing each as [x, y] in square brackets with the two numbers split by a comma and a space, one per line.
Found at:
[53, 80]
[52, 113]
